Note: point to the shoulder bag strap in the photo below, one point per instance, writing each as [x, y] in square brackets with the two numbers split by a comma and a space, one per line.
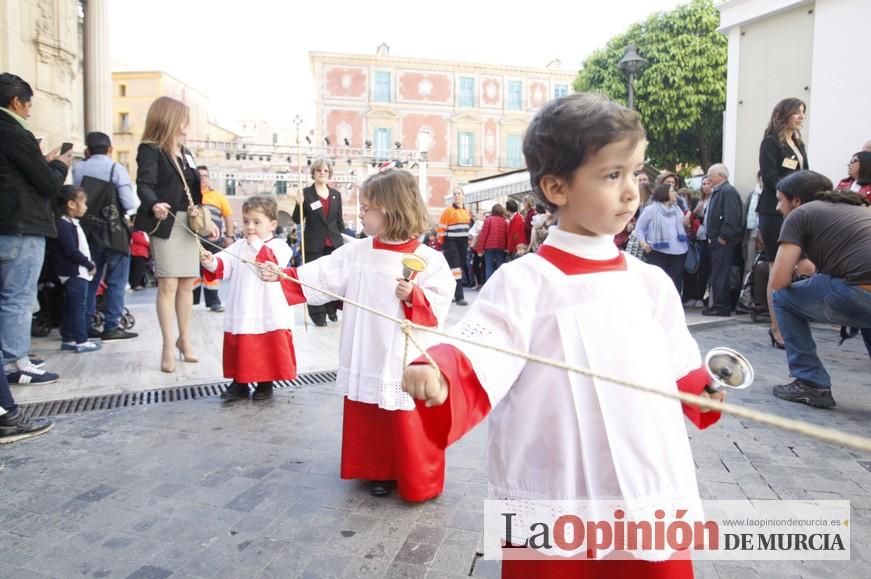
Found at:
[184, 181]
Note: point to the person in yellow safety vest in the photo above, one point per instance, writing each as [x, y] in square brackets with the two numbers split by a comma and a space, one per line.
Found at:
[453, 237]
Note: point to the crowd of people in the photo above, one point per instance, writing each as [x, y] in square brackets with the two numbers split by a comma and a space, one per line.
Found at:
[590, 299]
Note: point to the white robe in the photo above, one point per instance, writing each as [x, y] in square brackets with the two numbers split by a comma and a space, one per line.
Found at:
[565, 436]
[370, 347]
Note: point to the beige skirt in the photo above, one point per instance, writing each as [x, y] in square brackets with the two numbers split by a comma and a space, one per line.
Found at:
[179, 255]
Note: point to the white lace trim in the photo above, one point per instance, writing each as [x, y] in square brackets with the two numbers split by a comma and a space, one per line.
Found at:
[387, 394]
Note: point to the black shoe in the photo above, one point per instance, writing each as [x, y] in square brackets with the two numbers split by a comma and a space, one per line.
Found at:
[716, 312]
[15, 426]
[775, 343]
[798, 391]
[320, 322]
[462, 303]
[218, 308]
[94, 334]
[117, 334]
[380, 488]
[333, 317]
[263, 391]
[235, 391]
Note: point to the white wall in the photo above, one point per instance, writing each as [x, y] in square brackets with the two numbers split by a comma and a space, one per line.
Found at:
[840, 106]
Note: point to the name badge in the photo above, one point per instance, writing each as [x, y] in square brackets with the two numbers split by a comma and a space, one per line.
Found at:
[190, 159]
[790, 163]
[316, 205]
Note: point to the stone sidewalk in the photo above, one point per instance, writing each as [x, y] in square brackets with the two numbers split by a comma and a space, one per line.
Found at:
[206, 489]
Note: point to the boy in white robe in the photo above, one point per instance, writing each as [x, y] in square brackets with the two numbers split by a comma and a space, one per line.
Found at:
[556, 435]
[258, 325]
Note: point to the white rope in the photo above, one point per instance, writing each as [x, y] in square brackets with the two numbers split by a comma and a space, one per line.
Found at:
[801, 427]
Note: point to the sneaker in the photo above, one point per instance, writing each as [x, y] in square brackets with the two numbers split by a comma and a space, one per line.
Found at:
[263, 391]
[717, 312]
[32, 375]
[34, 361]
[16, 426]
[94, 334]
[87, 347]
[798, 391]
[235, 391]
[117, 334]
[68, 347]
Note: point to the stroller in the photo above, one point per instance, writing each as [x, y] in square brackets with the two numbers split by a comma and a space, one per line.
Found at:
[50, 295]
[753, 298]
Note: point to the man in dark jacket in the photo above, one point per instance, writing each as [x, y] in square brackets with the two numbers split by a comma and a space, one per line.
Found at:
[724, 227]
[28, 184]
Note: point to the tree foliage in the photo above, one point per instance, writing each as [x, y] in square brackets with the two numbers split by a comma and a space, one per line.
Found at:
[681, 92]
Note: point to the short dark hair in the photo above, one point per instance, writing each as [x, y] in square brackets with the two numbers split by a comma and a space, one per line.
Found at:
[203, 168]
[12, 86]
[511, 206]
[803, 185]
[540, 207]
[497, 210]
[98, 143]
[66, 193]
[661, 193]
[864, 167]
[568, 130]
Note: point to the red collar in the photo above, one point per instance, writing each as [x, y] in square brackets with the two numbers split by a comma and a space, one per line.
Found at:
[407, 247]
[573, 265]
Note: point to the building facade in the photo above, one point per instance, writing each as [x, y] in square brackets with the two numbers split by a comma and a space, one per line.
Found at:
[796, 48]
[468, 118]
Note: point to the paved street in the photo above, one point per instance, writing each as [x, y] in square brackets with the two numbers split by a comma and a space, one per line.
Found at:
[205, 489]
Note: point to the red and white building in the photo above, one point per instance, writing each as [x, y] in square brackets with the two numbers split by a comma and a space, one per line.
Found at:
[468, 118]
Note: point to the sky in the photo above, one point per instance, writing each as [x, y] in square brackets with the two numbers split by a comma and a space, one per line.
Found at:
[251, 57]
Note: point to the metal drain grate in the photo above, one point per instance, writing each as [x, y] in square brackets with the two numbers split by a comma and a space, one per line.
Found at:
[174, 394]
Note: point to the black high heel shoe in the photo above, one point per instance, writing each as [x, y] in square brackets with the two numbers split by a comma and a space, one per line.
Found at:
[775, 343]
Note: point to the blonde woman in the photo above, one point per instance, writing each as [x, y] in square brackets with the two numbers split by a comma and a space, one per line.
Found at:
[166, 181]
[323, 226]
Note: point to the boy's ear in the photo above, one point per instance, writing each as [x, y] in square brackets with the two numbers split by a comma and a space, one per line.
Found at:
[555, 189]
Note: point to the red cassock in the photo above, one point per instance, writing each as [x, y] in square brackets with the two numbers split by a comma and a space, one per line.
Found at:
[381, 444]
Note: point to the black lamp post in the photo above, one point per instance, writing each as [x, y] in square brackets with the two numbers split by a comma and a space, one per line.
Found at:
[630, 64]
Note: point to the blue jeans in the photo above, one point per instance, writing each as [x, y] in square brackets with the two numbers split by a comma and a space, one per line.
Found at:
[820, 298]
[493, 258]
[21, 258]
[117, 271]
[75, 323]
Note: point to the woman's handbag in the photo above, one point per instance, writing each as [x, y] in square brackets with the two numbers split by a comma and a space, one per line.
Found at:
[199, 219]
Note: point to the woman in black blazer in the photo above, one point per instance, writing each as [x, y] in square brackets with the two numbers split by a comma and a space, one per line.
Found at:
[162, 164]
[782, 152]
[323, 226]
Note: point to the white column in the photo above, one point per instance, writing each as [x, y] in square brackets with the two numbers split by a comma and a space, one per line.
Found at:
[98, 70]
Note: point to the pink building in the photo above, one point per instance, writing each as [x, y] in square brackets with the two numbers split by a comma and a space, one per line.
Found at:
[469, 118]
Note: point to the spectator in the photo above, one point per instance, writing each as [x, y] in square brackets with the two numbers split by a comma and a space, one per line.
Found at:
[724, 227]
[168, 184]
[323, 227]
[98, 170]
[661, 230]
[28, 184]
[529, 206]
[493, 241]
[453, 232]
[516, 229]
[543, 220]
[218, 206]
[835, 233]
[858, 175]
[781, 152]
[673, 180]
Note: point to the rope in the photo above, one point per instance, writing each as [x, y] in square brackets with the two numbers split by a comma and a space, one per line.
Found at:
[798, 426]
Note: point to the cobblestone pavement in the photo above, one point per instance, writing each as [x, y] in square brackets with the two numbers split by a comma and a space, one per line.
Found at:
[205, 489]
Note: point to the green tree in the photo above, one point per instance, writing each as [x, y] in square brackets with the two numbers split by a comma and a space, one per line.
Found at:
[681, 92]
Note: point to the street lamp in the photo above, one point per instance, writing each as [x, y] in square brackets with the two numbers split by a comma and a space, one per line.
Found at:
[630, 64]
